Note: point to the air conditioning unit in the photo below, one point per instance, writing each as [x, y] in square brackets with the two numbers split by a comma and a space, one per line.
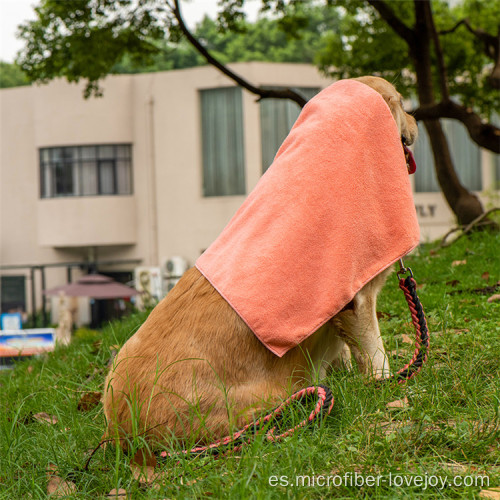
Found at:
[173, 269]
[148, 281]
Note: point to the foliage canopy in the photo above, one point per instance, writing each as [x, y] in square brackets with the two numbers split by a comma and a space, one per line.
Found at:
[91, 38]
[11, 75]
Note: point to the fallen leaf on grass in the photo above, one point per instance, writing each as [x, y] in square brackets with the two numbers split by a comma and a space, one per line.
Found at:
[399, 353]
[493, 493]
[45, 418]
[382, 314]
[57, 486]
[494, 298]
[456, 468]
[93, 374]
[147, 477]
[194, 481]
[399, 403]
[458, 331]
[452, 282]
[485, 276]
[96, 346]
[143, 466]
[89, 401]
[121, 493]
[387, 427]
[407, 339]
[456, 263]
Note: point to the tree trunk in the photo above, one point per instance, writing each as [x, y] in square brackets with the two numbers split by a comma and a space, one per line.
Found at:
[464, 204]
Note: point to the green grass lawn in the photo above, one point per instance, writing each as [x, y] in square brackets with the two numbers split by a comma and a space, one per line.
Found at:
[448, 431]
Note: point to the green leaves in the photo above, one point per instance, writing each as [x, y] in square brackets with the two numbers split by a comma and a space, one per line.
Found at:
[11, 75]
[87, 38]
[346, 38]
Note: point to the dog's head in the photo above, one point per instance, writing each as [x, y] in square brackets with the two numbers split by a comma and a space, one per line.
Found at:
[407, 125]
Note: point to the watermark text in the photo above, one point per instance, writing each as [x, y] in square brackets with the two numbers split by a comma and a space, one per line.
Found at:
[391, 480]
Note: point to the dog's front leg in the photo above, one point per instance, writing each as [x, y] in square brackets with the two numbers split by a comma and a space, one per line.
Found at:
[360, 330]
[369, 353]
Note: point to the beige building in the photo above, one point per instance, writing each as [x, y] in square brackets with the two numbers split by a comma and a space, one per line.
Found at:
[152, 170]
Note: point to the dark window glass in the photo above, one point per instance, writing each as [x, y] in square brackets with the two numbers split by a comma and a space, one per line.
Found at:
[12, 293]
[63, 174]
[277, 117]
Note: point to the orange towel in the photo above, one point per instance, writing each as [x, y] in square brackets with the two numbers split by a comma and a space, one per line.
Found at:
[334, 209]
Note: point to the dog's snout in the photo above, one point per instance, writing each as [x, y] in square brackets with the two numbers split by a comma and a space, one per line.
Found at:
[410, 133]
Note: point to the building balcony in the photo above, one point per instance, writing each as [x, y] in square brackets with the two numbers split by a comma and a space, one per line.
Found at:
[87, 221]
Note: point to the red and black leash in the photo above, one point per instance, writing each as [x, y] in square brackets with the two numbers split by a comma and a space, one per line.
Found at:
[422, 341]
[324, 399]
[234, 442]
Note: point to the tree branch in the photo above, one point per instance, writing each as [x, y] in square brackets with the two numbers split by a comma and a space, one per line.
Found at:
[453, 29]
[262, 93]
[490, 41]
[443, 72]
[388, 15]
[483, 134]
[491, 47]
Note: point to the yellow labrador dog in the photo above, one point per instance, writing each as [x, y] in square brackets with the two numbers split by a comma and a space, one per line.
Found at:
[195, 370]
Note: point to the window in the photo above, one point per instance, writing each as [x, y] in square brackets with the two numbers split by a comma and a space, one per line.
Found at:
[86, 170]
[277, 117]
[465, 154]
[12, 293]
[222, 142]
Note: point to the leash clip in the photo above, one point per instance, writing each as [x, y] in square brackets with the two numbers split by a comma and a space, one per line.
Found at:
[404, 270]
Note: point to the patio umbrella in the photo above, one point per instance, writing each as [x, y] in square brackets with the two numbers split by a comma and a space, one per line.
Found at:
[95, 286]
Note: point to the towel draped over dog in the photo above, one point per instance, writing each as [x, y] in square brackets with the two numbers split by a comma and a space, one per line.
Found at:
[333, 210]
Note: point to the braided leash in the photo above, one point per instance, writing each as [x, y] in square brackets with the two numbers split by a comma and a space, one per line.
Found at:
[409, 287]
[323, 408]
[325, 399]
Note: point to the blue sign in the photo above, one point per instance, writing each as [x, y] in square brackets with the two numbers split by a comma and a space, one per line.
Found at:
[11, 321]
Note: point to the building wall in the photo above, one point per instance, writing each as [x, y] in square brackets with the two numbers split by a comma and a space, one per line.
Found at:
[187, 222]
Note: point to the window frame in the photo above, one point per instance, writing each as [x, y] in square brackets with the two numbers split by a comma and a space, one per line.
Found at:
[48, 166]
